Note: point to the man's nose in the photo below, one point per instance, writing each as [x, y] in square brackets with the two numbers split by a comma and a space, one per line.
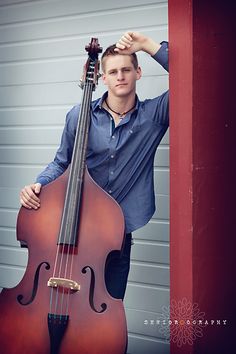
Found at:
[120, 75]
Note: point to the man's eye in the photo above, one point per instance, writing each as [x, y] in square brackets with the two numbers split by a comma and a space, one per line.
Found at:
[112, 72]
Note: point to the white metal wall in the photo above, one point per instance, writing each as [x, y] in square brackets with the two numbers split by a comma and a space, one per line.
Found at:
[41, 58]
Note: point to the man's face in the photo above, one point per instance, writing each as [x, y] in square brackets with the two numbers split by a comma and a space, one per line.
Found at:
[120, 75]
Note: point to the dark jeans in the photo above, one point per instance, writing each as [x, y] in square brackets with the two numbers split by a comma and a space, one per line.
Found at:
[117, 270]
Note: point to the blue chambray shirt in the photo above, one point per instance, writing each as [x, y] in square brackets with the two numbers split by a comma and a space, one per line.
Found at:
[120, 159]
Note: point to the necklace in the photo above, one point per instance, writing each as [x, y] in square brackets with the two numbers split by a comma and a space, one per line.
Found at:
[121, 115]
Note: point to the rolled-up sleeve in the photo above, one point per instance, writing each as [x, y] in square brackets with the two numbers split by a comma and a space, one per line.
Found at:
[162, 55]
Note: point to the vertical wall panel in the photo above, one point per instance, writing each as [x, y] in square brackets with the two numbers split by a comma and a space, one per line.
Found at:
[41, 59]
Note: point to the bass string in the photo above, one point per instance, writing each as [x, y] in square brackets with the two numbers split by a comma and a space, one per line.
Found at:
[64, 253]
[84, 129]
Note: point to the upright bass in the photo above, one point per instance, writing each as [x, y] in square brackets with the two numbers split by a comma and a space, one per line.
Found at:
[62, 306]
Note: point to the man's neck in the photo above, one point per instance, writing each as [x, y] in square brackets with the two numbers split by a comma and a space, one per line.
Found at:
[121, 104]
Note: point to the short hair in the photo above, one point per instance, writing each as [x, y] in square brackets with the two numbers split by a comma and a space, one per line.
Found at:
[111, 51]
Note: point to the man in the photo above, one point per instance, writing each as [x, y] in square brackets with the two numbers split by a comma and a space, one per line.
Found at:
[123, 137]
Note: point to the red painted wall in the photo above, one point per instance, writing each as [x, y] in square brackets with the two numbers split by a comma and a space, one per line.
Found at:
[203, 212]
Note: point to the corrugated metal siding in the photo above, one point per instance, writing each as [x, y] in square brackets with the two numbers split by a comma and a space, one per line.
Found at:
[41, 58]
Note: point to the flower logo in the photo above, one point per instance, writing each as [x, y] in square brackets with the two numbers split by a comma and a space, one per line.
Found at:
[185, 322]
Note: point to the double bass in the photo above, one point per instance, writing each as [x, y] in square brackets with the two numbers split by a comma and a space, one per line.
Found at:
[61, 305]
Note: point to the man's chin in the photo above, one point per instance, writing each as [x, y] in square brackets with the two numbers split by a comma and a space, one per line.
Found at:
[123, 91]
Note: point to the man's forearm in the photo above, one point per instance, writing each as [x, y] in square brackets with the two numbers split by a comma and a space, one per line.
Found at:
[150, 46]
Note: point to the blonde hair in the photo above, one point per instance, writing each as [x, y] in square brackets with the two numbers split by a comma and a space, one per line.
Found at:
[111, 51]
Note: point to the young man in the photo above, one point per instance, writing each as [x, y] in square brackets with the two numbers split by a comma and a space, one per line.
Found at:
[123, 137]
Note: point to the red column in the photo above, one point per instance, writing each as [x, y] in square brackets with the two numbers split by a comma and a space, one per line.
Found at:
[181, 161]
[202, 159]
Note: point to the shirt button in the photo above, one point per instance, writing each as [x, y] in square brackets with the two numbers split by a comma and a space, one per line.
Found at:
[112, 172]
[112, 156]
[113, 136]
[110, 191]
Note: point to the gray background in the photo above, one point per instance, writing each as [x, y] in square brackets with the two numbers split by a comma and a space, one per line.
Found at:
[41, 59]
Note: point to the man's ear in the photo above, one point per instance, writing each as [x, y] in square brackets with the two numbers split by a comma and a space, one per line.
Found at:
[138, 73]
[104, 78]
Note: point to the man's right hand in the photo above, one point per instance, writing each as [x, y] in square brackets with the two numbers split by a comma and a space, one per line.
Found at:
[28, 196]
[132, 42]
